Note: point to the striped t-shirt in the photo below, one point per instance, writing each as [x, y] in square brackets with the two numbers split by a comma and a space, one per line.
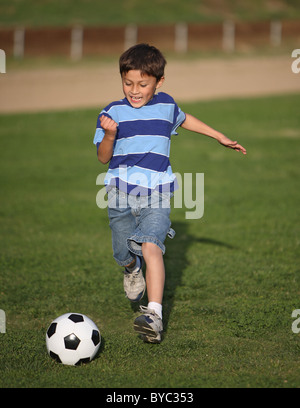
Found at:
[140, 161]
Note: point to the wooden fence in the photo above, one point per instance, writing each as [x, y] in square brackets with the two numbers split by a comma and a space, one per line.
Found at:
[77, 42]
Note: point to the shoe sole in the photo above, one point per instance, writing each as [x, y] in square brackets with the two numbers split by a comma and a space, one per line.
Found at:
[145, 331]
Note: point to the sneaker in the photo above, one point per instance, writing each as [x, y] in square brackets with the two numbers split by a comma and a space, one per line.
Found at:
[149, 326]
[134, 284]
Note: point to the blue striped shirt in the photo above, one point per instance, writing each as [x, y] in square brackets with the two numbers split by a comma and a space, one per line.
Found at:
[140, 161]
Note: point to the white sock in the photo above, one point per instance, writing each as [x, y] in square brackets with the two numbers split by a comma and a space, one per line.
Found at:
[157, 307]
[136, 267]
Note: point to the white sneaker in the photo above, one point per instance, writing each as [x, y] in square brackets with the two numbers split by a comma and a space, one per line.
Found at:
[134, 284]
[149, 326]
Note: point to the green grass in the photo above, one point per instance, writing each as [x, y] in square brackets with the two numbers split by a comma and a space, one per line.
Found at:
[97, 12]
[232, 276]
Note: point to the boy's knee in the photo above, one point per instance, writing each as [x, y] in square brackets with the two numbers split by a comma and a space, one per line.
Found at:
[150, 249]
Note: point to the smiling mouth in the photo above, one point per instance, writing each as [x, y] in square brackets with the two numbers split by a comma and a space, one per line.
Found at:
[135, 99]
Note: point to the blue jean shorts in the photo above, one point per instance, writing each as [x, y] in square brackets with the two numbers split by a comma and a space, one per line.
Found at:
[137, 219]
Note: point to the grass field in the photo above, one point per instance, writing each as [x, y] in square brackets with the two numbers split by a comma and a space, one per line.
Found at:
[232, 276]
[95, 12]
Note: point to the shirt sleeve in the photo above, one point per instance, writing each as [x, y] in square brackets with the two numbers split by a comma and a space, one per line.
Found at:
[99, 133]
[179, 118]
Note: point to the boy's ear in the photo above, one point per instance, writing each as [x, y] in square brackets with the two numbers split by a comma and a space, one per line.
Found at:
[160, 82]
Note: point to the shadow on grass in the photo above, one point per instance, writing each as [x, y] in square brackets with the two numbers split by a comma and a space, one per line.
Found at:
[176, 262]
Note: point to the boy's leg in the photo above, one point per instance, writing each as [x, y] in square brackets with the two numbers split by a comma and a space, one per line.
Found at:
[148, 241]
[122, 224]
[131, 265]
[155, 271]
[149, 325]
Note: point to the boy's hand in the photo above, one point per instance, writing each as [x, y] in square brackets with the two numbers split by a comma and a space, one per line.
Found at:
[109, 126]
[232, 145]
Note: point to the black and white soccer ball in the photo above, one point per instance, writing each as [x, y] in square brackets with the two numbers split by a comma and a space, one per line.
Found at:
[72, 339]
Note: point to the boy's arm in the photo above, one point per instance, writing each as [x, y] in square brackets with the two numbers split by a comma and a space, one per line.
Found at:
[195, 125]
[105, 150]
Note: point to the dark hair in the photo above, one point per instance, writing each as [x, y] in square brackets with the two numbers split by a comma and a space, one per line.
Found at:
[145, 58]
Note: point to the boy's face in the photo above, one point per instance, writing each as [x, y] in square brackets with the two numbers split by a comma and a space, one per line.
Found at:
[139, 89]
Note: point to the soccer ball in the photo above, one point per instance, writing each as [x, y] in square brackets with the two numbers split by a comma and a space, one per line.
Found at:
[73, 339]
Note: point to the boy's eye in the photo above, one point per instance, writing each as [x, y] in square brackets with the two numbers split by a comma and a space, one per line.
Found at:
[141, 85]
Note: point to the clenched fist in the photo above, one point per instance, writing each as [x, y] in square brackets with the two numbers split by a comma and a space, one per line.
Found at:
[109, 126]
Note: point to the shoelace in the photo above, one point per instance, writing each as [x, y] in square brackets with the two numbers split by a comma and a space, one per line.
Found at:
[144, 309]
[131, 276]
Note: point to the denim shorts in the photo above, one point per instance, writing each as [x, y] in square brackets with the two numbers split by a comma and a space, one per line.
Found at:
[137, 219]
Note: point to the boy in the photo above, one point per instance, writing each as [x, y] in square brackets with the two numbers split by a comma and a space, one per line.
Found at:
[134, 134]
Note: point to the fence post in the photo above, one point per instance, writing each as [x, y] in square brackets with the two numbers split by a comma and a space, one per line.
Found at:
[19, 42]
[228, 36]
[131, 35]
[275, 33]
[76, 43]
[181, 37]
